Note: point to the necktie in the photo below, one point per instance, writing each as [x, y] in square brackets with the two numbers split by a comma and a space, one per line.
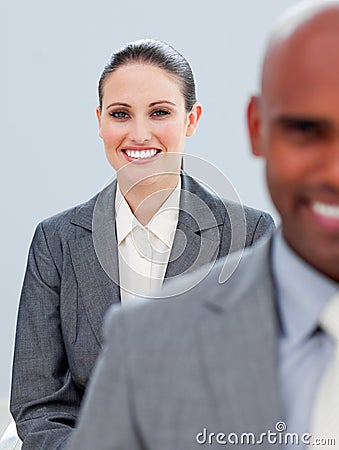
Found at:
[325, 421]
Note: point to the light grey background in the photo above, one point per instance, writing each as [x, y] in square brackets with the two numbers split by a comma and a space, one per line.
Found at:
[52, 55]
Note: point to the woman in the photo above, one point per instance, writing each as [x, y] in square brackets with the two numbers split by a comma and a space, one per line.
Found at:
[107, 249]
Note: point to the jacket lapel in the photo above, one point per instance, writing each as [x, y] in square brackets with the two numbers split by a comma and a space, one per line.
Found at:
[197, 238]
[242, 367]
[95, 258]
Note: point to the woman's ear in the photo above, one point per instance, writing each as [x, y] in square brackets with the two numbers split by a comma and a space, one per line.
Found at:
[98, 114]
[254, 125]
[193, 119]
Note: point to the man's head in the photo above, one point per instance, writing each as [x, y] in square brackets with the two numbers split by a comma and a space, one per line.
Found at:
[294, 125]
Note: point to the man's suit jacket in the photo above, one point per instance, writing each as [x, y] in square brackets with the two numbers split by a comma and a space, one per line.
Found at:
[70, 282]
[204, 360]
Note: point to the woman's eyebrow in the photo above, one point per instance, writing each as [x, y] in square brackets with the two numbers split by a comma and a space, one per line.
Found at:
[119, 104]
[162, 101]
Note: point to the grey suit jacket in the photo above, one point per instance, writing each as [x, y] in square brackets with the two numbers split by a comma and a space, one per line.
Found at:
[69, 285]
[175, 371]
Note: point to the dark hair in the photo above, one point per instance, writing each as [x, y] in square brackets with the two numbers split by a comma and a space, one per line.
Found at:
[156, 53]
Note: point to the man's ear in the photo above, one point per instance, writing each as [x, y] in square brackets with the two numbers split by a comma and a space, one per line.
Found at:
[193, 119]
[98, 114]
[254, 125]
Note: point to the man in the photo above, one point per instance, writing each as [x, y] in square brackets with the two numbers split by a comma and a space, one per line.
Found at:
[236, 362]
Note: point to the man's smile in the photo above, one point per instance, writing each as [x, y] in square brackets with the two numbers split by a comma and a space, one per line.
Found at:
[326, 210]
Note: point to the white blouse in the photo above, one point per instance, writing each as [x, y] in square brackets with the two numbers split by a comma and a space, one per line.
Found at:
[144, 251]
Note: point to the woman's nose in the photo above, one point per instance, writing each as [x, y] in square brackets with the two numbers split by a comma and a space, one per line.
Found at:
[140, 131]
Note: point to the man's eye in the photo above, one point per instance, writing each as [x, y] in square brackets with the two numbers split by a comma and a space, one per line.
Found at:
[119, 114]
[304, 130]
[304, 127]
[160, 113]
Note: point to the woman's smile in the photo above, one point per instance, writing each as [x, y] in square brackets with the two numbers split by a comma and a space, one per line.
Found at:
[141, 155]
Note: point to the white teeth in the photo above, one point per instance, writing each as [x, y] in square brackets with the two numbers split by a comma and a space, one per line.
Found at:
[141, 154]
[327, 210]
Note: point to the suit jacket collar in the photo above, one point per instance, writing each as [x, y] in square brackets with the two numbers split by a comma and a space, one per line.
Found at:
[197, 238]
[256, 261]
[193, 202]
[246, 301]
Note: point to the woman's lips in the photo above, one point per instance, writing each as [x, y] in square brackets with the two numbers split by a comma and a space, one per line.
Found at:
[140, 154]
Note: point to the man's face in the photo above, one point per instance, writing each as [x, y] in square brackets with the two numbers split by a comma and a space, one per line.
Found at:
[294, 125]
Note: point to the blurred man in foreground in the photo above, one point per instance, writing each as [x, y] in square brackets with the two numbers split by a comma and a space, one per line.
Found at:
[238, 362]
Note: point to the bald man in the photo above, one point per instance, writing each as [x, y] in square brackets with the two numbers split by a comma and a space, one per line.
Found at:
[243, 361]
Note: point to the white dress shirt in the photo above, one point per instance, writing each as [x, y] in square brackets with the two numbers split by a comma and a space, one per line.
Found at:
[144, 250]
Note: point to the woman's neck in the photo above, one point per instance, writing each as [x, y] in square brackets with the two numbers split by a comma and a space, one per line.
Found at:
[146, 199]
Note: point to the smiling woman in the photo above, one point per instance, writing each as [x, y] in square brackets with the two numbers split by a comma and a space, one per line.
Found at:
[147, 107]
[152, 223]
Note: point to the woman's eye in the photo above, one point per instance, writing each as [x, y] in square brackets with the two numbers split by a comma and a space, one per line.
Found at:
[119, 114]
[160, 113]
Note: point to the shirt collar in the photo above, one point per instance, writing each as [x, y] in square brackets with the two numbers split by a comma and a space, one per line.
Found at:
[163, 224]
[124, 218]
[302, 291]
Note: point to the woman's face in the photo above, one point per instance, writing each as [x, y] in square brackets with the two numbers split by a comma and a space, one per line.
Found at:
[143, 122]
